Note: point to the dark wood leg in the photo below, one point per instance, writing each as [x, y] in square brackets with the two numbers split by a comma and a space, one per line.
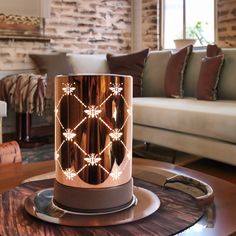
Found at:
[174, 156]
[147, 146]
[19, 127]
[23, 131]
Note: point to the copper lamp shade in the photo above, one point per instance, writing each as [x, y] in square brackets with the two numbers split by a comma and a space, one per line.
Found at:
[93, 142]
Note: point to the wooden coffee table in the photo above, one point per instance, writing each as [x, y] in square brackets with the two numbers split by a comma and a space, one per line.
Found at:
[222, 220]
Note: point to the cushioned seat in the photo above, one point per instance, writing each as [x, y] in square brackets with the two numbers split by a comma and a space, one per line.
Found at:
[204, 118]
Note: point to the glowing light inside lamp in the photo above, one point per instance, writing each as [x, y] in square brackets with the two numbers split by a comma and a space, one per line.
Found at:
[69, 173]
[68, 89]
[69, 135]
[116, 89]
[93, 112]
[92, 159]
[116, 173]
[115, 135]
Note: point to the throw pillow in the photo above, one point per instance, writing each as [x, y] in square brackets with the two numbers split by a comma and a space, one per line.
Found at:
[174, 76]
[51, 64]
[209, 77]
[130, 64]
[213, 50]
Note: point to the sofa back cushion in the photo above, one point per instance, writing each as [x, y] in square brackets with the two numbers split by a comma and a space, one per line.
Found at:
[87, 63]
[51, 64]
[155, 69]
[154, 73]
[192, 73]
[227, 83]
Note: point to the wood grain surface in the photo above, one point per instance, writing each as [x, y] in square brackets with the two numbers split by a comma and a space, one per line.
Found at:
[178, 211]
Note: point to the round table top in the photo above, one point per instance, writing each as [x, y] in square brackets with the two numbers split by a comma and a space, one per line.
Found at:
[177, 212]
[219, 220]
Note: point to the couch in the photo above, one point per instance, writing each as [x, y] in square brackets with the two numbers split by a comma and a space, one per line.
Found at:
[3, 112]
[204, 128]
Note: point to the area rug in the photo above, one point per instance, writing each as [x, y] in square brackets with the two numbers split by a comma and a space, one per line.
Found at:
[41, 153]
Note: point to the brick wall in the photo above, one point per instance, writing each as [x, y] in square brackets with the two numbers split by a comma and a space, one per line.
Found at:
[90, 26]
[84, 26]
[226, 23]
[78, 26]
[150, 24]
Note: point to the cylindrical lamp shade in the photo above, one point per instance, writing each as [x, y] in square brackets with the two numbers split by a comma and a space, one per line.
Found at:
[93, 142]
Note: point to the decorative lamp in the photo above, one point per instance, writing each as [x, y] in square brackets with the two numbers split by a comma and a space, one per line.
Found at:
[93, 143]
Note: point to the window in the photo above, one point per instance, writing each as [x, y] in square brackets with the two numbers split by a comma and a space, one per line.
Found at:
[188, 19]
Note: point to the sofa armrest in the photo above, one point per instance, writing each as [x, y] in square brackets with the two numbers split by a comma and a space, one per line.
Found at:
[3, 112]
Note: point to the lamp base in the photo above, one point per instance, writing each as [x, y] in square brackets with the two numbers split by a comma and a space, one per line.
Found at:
[93, 200]
[40, 205]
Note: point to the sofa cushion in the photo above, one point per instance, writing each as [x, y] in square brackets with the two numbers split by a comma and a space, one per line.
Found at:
[174, 77]
[209, 77]
[130, 64]
[189, 115]
[87, 63]
[52, 64]
[154, 73]
[227, 85]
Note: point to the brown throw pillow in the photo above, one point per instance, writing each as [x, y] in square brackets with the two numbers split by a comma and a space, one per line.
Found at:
[213, 50]
[130, 64]
[174, 76]
[209, 77]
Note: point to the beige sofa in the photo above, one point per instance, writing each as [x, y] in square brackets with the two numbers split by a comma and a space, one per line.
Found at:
[204, 128]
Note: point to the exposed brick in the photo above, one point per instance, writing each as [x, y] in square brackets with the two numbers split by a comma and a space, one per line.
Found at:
[150, 25]
[226, 23]
[78, 26]
[223, 13]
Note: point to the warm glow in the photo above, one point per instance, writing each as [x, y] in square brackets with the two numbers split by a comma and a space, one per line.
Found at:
[116, 173]
[115, 135]
[69, 135]
[92, 159]
[68, 89]
[92, 111]
[116, 89]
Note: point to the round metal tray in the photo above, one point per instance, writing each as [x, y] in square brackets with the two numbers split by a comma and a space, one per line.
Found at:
[41, 206]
